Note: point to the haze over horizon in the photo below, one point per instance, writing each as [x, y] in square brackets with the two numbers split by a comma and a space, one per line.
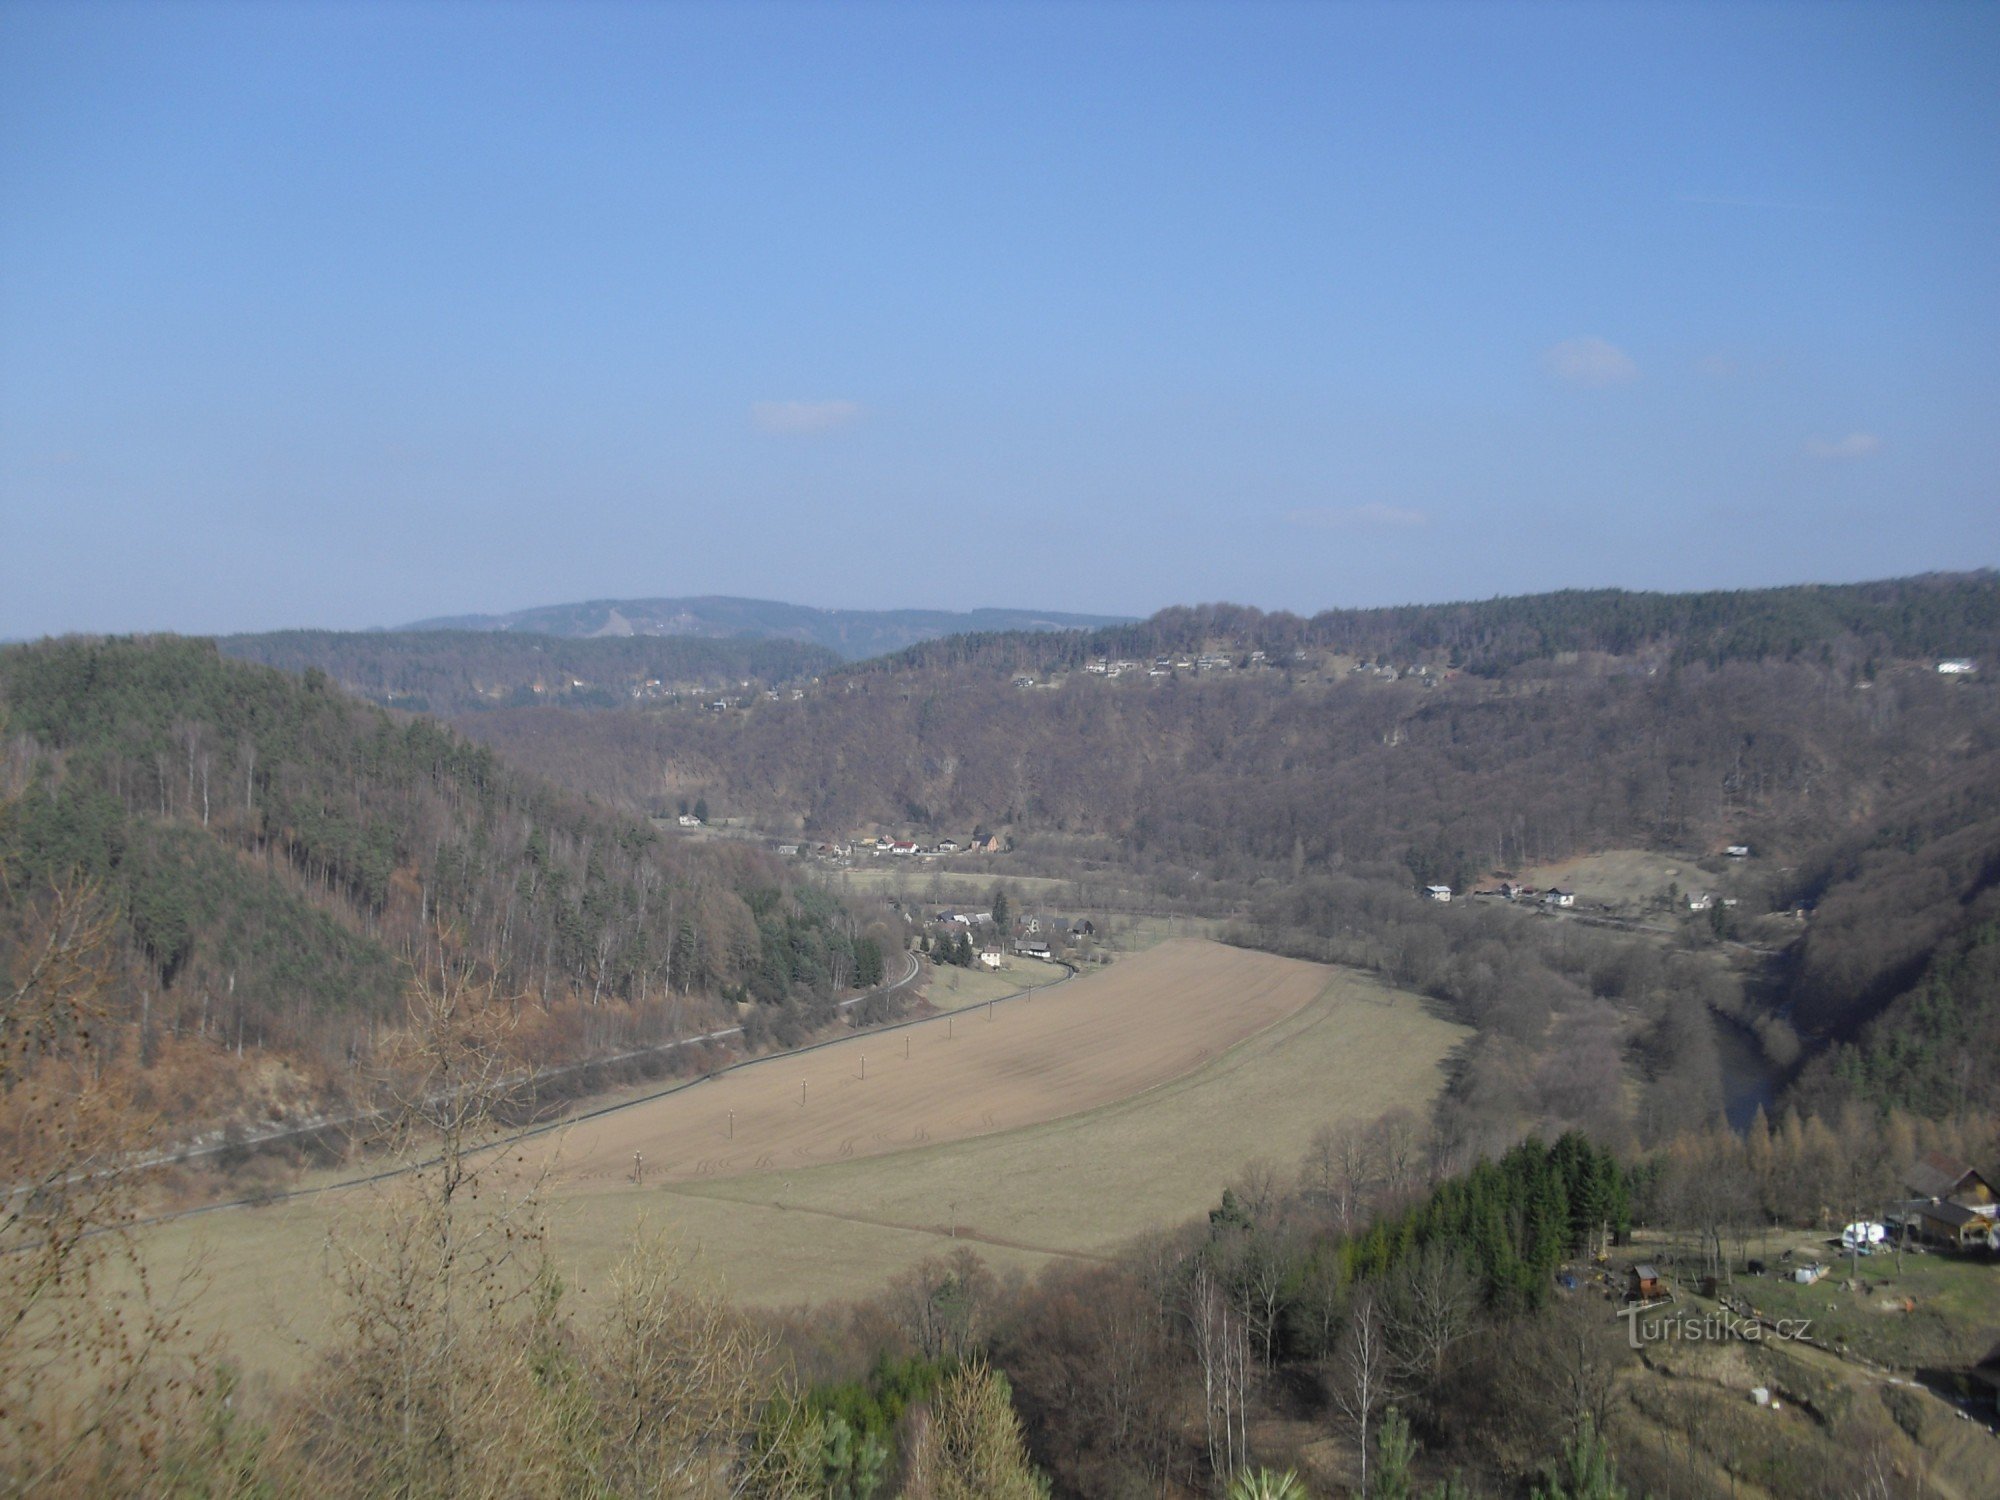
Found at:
[339, 316]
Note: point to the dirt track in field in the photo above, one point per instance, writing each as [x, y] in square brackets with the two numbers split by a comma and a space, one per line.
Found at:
[1146, 1020]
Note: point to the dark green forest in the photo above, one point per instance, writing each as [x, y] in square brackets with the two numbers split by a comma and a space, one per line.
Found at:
[277, 856]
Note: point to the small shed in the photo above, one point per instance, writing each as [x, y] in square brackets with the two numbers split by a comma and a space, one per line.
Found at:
[1644, 1284]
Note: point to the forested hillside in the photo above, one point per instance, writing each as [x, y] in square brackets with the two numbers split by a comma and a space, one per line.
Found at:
[449, 672]
[1945, 614]
[274, 856]
[1239, 772]
[1810, 723]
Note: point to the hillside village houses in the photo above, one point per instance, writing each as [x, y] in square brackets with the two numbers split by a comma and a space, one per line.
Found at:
[911, 849]
[1952, 1205]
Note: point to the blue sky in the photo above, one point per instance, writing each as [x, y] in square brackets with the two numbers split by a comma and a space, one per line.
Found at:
[351, 314]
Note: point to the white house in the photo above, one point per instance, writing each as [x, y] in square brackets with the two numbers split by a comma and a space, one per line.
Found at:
[1700, 900]
[1555, 897]
[1437, 893]
[689, 820]
[1738, 851]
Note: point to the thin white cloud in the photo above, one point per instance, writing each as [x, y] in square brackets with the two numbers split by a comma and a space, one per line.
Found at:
[1845, 450]
[1374, 516]
[804, 416]
[1589, 361]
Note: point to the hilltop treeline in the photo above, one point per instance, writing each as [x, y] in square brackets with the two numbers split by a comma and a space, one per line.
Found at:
[275, 854]
[449, 672]
[1934, 615]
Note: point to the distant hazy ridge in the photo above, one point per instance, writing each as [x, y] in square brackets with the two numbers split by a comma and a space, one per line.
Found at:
[853, 633]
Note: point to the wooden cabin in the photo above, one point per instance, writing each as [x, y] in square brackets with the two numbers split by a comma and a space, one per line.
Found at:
[1643, 1284]
[1951, 1224]
[1943, 1180]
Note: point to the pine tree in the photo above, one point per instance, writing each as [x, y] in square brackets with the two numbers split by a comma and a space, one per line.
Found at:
[1394, 1453]
[1584, 1472]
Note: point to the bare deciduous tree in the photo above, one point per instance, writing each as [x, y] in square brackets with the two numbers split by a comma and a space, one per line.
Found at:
[1359, 1377]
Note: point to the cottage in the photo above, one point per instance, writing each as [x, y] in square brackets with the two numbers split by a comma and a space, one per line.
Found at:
[1941, 1179]
[689, 820]
[947, 846]
[1950, 1224]
[1437, 893]
[1083, 928]
[991, 958]
[1738, 851]
[1032, 948]
[1700, 900]
[1554, 897]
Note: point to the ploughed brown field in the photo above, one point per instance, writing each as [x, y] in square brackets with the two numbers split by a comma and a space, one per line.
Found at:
[1055, 1052]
